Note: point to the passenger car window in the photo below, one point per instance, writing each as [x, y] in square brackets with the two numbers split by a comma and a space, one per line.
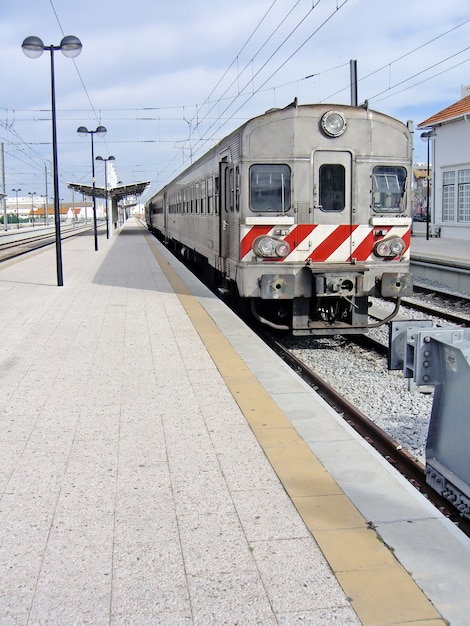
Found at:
[388, 189]
[270, 188]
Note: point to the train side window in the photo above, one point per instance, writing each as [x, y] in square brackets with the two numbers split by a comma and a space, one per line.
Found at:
[231, 189]
[203, 196]
[210, 195]
[270, 188]
[216, 195]
[237, 189]
[332, 187]
[388, 189]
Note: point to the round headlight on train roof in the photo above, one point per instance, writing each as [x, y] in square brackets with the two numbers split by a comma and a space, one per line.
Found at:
[333, 123]
[270, 248]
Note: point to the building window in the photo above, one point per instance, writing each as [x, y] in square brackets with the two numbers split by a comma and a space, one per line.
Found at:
[464, 196]
[448, 196]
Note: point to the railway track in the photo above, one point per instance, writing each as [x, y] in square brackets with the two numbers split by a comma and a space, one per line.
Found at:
[436, 301]
[411, 468]
[17, 247]
[395, 453]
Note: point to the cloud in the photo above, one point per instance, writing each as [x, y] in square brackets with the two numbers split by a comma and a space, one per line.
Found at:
[148, 68]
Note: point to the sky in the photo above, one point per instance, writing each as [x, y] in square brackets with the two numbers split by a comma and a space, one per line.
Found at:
[168, 79]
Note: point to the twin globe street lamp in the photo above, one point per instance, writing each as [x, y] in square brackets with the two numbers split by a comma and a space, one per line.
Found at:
[101, 132]
[70, 47]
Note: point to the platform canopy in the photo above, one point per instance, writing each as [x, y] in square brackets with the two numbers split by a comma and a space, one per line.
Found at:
[116, 193]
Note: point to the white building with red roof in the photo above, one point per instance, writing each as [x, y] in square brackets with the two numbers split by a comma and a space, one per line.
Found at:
[450, 150]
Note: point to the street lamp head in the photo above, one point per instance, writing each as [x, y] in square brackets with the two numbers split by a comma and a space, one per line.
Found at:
[33, 47]
[71, 46]
[83, 131]
[100, 158]
[16, 190]
[428, 135]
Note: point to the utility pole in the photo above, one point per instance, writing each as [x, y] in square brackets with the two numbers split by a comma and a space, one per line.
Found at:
[2, 194]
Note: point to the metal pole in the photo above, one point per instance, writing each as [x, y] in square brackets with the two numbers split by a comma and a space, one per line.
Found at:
[94, 197]
[3, 198]
[32, 194]
[17, 210]
[58, 246]
[47, 201]
[107, 194]
[427, 198]
[353, 75]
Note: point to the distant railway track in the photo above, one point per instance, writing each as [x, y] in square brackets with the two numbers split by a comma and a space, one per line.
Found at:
[17, 247]
[436, 300]
[452, 272]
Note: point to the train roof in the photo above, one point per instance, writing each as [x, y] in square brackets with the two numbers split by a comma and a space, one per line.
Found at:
[290, 111]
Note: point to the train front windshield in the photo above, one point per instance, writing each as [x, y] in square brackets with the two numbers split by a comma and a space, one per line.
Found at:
[388, 189]
[270, 188]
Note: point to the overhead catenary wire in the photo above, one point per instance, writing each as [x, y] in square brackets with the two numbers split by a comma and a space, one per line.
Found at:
[205, 130]
[204, 141]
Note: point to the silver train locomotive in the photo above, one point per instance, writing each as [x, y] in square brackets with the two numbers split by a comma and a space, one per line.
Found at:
[301, 215]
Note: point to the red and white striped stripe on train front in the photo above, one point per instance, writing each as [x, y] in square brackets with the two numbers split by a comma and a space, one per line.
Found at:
[324, 243]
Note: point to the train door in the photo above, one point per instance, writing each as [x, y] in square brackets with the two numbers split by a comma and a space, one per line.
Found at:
[332, 189]
[225, 174]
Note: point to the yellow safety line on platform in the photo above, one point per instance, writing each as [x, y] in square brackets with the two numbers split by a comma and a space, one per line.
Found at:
[381, 591]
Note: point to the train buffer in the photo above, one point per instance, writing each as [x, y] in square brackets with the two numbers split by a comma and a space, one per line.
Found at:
[440, 356]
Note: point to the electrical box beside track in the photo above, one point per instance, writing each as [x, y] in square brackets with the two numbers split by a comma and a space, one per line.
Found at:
[440, 357]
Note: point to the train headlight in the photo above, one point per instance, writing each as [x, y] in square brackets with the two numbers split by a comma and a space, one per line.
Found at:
[390, 247]
[282, 249]
[397, 247]
[264, 246]
[333, 123]
[270, 248]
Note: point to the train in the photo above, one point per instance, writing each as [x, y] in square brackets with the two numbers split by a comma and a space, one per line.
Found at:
[299, 216]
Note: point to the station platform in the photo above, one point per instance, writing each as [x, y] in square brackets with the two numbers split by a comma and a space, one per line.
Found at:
[450, 251]
[160, 466]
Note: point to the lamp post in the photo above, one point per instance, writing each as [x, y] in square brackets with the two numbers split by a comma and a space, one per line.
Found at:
[110, 158]
[32, 194]
[17, 211]
[46, 209]
[70, 47]
[426, 137]
[101, 132]
[5, 214]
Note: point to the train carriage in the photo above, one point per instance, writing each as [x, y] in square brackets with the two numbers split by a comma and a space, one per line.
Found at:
[301, 214]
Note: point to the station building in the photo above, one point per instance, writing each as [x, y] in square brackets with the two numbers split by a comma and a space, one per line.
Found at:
[448, 133]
